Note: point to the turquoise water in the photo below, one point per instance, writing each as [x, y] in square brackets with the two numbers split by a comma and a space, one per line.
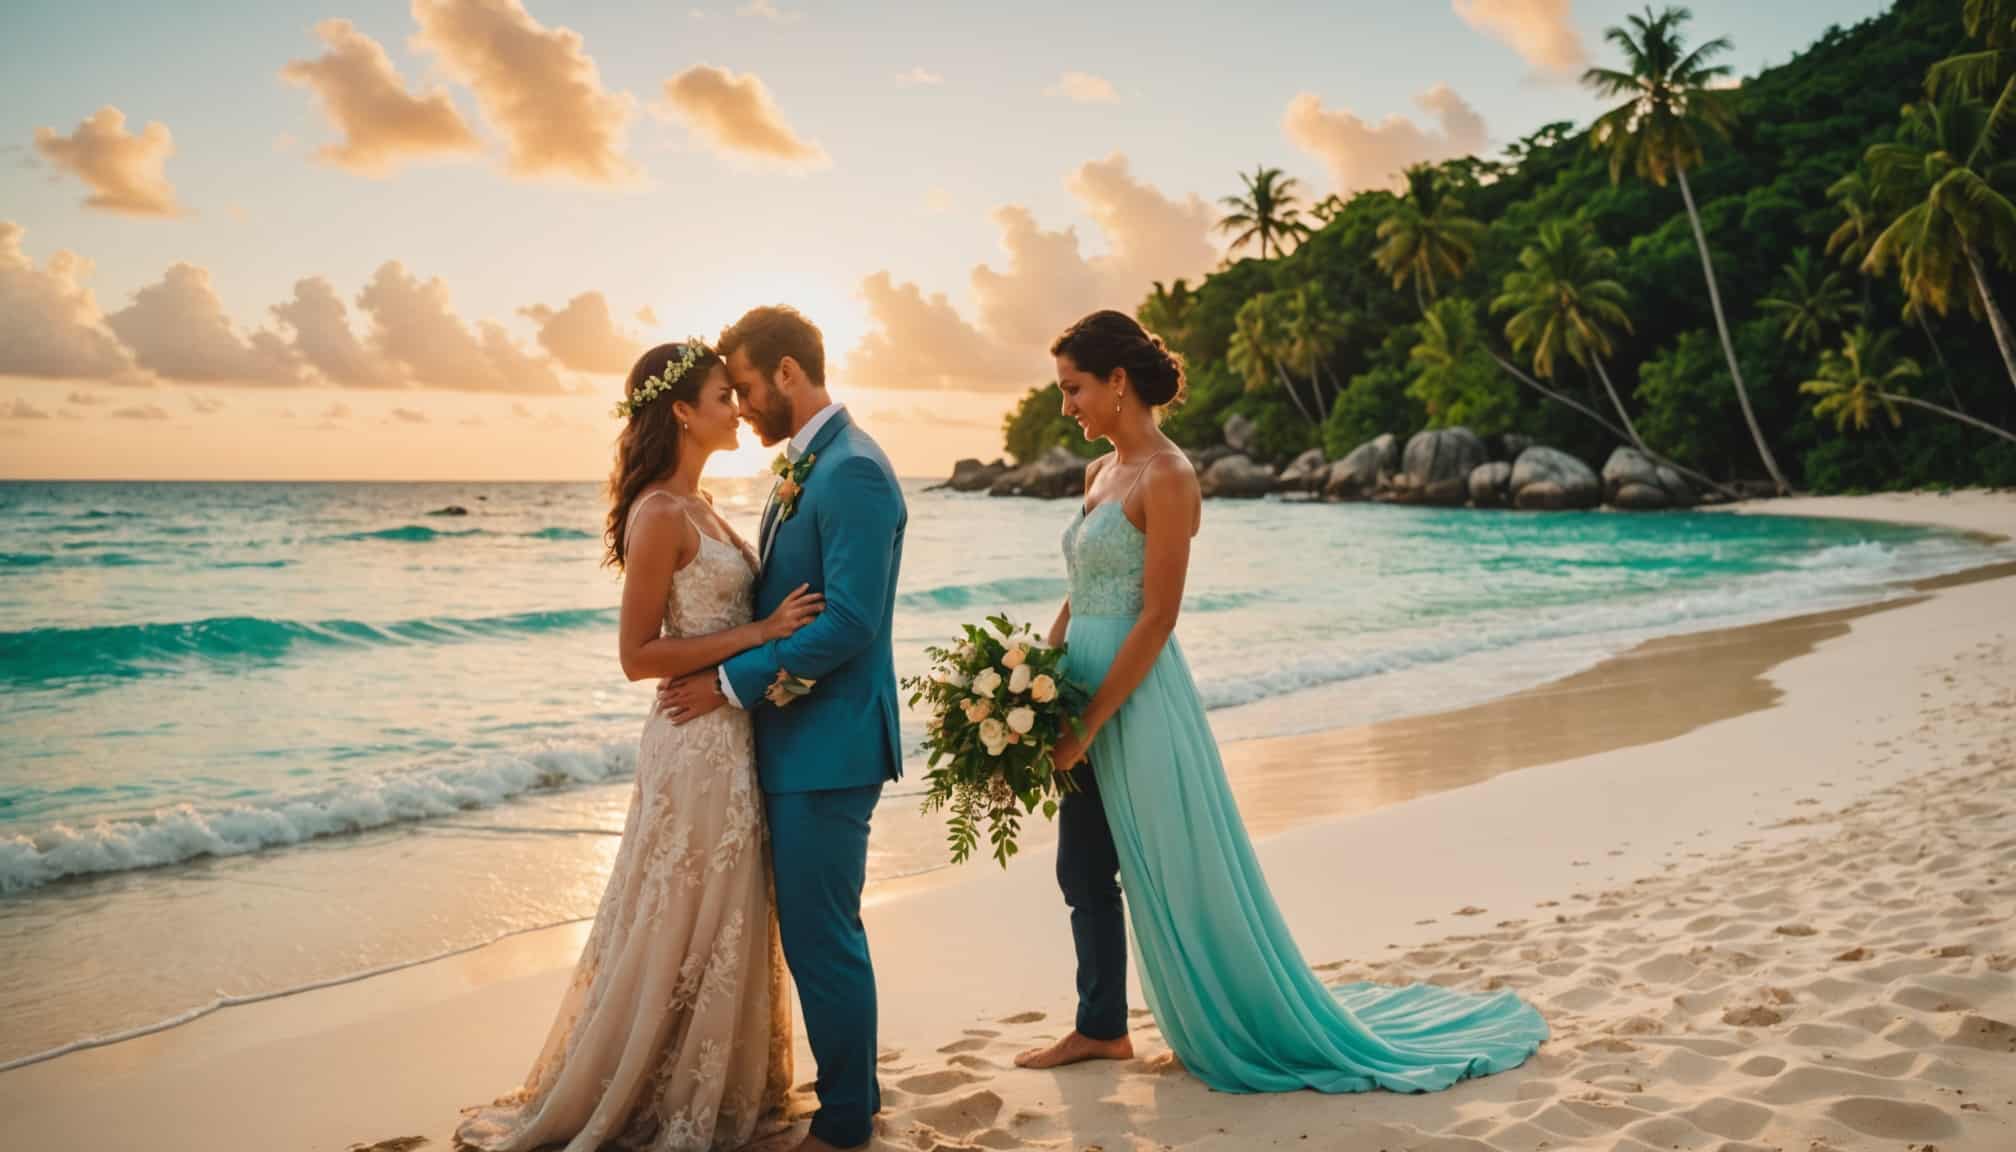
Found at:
[263, 681]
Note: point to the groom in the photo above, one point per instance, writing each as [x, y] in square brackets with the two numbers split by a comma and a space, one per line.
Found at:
[835, 521]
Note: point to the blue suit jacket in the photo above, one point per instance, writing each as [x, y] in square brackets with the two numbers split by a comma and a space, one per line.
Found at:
[845, 539]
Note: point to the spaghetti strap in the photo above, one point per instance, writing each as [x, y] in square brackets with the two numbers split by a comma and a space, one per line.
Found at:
[630, 522]
[1143, 471]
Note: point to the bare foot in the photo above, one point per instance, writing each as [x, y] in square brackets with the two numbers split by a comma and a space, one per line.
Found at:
[1074, 1049]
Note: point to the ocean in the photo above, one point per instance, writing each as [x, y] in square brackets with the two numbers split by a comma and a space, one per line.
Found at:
[262, 736]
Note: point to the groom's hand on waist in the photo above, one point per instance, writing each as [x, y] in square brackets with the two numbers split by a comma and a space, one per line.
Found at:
[687, 698]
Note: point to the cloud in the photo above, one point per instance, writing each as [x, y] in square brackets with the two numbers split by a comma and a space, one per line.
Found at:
[922, 341]
[471, 422]
[1085, 88]
[583, 336]
[50, 326]
[408, 416]
[319, 326]
[918, 77]
[768, 10]
[205, 405]
[125, 172]
[22, 410]
[736, 114]
[85, 399]
[647, 316]
[381, 122]
[1361, 155]
[141, 412]
[177, 329]
[537, 86]
[1543, 32]
[414, 327]
[337, 412]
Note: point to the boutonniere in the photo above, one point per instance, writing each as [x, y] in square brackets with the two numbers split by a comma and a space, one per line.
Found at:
[786, 688]
[790, 481]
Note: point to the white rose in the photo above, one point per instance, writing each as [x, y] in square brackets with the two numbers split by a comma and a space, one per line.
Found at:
[1021, 720]
[987, 682]
[1018, 681]
[966, 653]
[1042, 689]
[941, 675]
[1015, 657]
[994, 735]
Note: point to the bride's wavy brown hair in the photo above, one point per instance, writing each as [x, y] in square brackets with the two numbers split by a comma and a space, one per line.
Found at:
[647, 450]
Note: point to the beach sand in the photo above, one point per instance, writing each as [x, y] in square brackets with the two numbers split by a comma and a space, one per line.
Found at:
[1757, 880]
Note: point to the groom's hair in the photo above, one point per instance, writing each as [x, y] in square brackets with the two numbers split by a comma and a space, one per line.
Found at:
[771, 333]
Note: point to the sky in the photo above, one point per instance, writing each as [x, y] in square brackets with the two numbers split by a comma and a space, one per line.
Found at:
[423, 239]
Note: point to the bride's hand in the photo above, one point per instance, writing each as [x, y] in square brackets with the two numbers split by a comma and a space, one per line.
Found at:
[800, 608]
[1067, 752]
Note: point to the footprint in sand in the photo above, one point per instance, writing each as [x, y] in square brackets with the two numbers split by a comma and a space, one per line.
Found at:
[1021, 1018]
[974, 1044]
[937, 1083]
[1797, 930]
[962, 1117]
[1893, 1119]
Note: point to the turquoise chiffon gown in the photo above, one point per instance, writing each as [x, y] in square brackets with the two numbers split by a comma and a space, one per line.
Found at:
[1218, 966]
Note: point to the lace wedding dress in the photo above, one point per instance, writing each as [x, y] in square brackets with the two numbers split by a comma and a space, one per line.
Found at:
[675, 1034]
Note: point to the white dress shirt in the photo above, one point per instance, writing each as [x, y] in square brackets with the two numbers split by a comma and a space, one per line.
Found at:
[792, 451]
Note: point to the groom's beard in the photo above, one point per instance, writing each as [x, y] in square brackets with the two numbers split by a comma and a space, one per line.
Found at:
[772, 426]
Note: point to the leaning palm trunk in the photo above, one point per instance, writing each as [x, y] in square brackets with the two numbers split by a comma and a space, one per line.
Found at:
[1618, 402]
[1728, 346]
[1289, 387]
[1949, 413]
[1995, 321]
[1598, 417]
[1938, 354]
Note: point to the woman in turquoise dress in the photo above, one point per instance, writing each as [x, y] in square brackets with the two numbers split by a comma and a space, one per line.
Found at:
[1219, 968]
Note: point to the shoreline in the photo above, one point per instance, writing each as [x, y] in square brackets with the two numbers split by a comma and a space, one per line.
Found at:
[1728, 674]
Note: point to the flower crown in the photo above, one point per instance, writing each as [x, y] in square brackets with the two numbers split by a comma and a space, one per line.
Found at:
[654, 386]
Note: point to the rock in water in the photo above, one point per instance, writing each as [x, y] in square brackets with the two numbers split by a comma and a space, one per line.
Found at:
[1491, 485]
[1436, 467]
[1632, 480]
[1239, 432]
[1550, 479]
[1307, 473]
[1369, 467]
[1237, 478]
[1052, 476]
[450, 510]
[973, 476]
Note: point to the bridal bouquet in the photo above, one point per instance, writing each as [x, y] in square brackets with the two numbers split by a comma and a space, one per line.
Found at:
[998, 704]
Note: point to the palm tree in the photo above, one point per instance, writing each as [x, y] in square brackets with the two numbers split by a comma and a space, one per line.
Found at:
[1259, 341]
[1328, 208]
[1311, 330]
[1268, 213]
[1810, 305]
[1426, 235]
[1858, 228]
[1864, 378]
[1566, 300]
[1941, 167]
[1448, 339]
[1669, 96]
[1975, 75]
[1166, 311]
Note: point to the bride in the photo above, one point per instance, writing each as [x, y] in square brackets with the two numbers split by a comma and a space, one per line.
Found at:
[675, 1034]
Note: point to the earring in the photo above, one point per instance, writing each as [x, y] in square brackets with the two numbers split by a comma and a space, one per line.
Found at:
[1117, 397]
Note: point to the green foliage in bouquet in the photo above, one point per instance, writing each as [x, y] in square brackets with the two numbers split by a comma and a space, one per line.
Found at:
[998, 704]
